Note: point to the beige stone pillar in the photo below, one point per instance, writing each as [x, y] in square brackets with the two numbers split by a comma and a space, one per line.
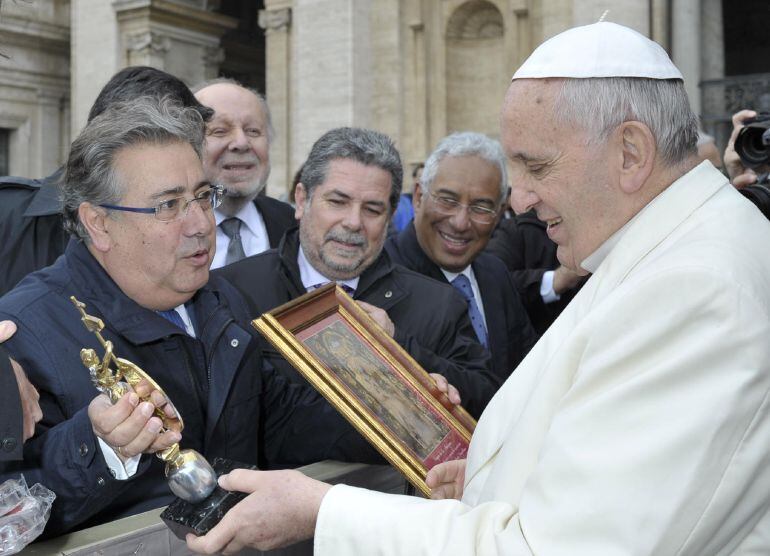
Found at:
[686, 46]
[275, 19]
[94, 52]
[331, 76]
[175, 36]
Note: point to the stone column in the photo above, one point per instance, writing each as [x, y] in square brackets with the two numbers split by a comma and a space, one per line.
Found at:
[275, 19]
[331, 80]
[172, 35]
[686, 46]
[94, 51]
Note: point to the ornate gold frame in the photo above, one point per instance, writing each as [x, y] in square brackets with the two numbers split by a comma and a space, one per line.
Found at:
[281, 327]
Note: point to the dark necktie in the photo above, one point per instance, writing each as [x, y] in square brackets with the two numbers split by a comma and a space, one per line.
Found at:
[232, 229]
[173, 317]
[348, 290]
[463, 285]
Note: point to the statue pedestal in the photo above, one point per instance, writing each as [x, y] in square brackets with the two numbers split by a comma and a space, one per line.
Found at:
[184, 517]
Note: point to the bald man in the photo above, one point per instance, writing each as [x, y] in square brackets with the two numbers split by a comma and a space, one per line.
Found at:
[237, 157]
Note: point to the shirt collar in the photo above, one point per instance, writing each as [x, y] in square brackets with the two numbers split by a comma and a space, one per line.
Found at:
[467, 272]
[311, 277]
[592, 262]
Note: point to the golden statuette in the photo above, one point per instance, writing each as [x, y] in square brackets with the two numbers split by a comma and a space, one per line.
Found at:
[189, 475]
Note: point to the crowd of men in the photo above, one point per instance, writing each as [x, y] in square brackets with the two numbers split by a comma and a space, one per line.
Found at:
[610, 337]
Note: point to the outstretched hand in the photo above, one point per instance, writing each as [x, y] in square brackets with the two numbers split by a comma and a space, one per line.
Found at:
[281, 509]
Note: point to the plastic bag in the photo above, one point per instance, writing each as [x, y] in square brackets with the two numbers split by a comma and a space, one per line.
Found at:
[23, 513]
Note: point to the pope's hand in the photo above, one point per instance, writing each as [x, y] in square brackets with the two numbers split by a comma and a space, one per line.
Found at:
[281, 509]
[446, 480]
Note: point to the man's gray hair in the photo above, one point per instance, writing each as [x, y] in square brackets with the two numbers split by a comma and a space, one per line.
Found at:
[466, 143]
[229, 81]
[90, 176]
[366, 146]
[600, 105]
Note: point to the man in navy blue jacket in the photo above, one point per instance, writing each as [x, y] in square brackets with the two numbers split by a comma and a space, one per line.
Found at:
[457, 204]
[141, 213]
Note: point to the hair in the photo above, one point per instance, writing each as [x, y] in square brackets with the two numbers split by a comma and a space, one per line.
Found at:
[599, 105]
[466, 143]
[417, 167]
[366, 146]
[229, 81]
[89, 174]
[143, 81]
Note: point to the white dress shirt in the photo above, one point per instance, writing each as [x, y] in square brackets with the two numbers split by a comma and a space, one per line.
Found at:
[125, 470]
[312, 279]
[253, 234]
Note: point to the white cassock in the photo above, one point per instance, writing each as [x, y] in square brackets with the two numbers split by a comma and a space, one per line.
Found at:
[639, 424]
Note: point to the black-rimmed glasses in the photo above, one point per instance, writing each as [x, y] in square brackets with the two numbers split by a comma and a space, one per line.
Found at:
[177, 207]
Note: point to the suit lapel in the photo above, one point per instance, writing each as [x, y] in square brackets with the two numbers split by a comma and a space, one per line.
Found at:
[492, 299]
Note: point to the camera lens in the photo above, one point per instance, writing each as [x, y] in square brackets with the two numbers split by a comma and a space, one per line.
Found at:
[751, 144]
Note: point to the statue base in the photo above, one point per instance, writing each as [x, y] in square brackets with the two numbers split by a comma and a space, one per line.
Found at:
[184, 517]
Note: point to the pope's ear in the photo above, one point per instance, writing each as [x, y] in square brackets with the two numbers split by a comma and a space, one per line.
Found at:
[94, 220]
[638, 151]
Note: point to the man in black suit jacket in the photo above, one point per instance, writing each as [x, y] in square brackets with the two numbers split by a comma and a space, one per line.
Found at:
[457, 204]
[237, 156]
[349, 187]
[545, 286]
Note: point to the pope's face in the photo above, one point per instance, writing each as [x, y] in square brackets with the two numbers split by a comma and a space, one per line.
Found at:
[556, 171]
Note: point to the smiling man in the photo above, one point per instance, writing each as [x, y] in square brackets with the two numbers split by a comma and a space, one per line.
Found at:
[639, 423]
[349, 187]
[237, 156]
[140, 209]
[456, 207]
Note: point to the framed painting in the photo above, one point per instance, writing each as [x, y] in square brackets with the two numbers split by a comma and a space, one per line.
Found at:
[370, 380]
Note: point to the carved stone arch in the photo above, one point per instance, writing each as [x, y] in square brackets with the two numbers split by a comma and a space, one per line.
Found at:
[475, 19]
[475, 67]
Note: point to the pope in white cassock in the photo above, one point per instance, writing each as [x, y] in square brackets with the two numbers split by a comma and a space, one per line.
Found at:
[640, 423]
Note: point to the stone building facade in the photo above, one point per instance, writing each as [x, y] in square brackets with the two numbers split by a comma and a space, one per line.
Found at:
[414, 69]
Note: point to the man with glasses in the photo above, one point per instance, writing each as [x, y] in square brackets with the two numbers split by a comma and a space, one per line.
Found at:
[457, 204]
[140, 211]
[348, 190]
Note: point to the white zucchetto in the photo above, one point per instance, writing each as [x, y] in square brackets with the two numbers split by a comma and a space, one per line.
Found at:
[598, 50]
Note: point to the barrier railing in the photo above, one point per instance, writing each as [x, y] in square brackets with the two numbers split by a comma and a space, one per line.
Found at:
[146, 534]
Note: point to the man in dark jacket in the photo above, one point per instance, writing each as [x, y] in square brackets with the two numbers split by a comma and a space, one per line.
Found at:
[30, 210]
[545, 286]
[237, 156]
[350, 184]
[457, 204]
[136, 200]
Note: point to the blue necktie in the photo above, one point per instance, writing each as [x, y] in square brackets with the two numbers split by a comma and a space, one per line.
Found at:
[173, 317]
[463, 285]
